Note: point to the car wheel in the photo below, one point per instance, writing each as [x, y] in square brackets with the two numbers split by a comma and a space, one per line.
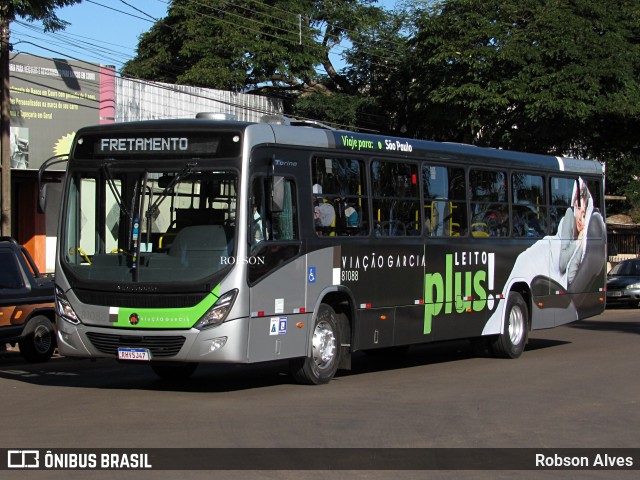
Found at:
[39, 344]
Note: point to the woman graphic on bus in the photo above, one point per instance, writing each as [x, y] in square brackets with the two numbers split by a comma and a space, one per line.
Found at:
[561, 258]
[572, 232]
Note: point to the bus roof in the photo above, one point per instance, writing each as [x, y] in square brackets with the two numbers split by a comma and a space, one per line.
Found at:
[348, 141]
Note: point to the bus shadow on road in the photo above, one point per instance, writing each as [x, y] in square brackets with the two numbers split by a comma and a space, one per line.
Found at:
[210, 378]
[432, 354]
[609, 326]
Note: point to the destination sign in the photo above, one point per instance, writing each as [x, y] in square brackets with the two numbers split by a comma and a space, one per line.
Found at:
[137, 144]
[119, 145]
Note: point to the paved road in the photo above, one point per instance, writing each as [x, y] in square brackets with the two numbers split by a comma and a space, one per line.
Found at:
[575, 386]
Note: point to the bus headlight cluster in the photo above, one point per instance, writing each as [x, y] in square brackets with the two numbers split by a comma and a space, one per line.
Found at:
[64, 308]
[218, 312]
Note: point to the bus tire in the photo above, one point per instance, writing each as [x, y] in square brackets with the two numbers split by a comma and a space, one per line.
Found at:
[174, 371]
[323, 363]
[39, 344]
[511, 342]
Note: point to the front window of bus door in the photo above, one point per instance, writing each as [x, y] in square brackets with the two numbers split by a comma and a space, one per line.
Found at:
[273, 235]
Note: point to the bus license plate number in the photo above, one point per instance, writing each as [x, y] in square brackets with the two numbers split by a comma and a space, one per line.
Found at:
[141, 354]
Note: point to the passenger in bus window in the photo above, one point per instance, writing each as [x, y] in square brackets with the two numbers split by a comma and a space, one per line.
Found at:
[324, 215]
[351, 216]
[317, 190]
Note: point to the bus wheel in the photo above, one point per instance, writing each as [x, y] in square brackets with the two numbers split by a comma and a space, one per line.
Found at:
[174, 371]
[322, 365]
[511, 342]
[38, 345]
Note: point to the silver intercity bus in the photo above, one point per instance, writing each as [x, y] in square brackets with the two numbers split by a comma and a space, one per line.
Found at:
[203, 240]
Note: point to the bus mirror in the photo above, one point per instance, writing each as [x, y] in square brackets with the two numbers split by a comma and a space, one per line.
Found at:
[42, 184]
[277, 194]
[42, 198]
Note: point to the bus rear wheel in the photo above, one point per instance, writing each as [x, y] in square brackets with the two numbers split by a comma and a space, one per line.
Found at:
[323, 363]
[511, 342]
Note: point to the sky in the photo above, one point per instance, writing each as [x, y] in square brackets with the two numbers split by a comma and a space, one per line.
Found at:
[100, 31]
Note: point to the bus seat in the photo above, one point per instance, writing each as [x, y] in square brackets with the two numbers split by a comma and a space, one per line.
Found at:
[186, 217]
[200, 246]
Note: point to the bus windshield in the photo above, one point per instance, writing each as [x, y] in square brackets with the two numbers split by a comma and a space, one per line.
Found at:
[149, 225]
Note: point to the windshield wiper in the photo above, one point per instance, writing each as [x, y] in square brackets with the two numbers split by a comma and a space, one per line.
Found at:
[169, 188]
[112, 185]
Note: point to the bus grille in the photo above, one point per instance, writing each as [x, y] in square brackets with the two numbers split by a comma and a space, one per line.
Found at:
[159, 346]
[133, 300]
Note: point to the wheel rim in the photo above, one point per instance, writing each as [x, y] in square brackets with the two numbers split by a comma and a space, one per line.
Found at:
[324, 345]
[42, 339]
[516, 325]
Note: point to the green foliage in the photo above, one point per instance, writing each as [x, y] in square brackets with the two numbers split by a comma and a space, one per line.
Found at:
[230, 46]
[530, 74]
[340, 110]
[546, 76]
[280, 48]
[32, 10]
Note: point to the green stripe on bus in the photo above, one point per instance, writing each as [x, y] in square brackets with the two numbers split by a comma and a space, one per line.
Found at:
[166, 318]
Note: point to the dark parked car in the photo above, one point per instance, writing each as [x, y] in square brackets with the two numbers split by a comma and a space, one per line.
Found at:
[27, 313]
[623, 284]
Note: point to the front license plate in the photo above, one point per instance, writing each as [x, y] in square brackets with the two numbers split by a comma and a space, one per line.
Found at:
[142, 354]
[614, 293]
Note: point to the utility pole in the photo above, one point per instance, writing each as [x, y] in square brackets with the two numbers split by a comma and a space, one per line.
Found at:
[5, 125]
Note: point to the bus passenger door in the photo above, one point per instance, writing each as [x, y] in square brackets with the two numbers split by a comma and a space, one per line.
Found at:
[276, 272]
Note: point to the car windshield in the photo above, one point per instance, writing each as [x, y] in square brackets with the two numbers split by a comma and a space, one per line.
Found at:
[626, 268]
[156, 226]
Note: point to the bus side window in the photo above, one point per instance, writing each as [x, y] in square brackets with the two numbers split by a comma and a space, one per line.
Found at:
[445, 208]
[561, 193]
[529, 210]
[489, 207]
[395, 198]
[339, 197]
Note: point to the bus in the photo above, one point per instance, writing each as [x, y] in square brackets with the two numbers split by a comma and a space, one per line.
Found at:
[209, 240]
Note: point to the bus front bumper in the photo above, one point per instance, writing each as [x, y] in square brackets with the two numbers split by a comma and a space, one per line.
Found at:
[223, 344]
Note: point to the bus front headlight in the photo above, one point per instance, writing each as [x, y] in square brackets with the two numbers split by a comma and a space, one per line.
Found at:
[218, 312]
[64, 308]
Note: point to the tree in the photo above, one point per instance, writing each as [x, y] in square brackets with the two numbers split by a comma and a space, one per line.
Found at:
[545, 76]
[377, 74]
[275, 47]
[10, 10]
